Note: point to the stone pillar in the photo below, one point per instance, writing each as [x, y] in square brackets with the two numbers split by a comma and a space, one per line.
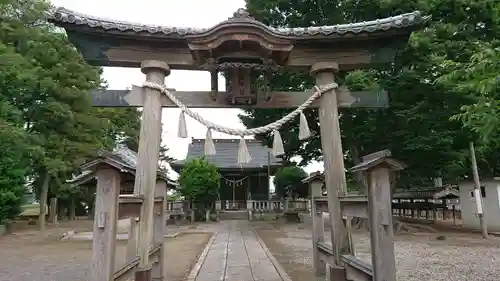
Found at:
[106, 214]
[250, 205]
[147, 160]
[335, 180]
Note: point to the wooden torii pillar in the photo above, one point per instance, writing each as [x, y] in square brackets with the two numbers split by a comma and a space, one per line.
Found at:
[333, 158]
[147, 162]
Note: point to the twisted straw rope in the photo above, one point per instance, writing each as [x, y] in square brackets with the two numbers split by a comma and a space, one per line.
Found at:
[242, 132]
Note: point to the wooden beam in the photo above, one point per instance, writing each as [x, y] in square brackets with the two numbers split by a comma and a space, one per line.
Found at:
[202, 99]
[131, 55]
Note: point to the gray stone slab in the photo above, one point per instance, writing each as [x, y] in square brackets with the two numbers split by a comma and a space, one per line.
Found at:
[210, 276]
[236, 255]
[238, 270]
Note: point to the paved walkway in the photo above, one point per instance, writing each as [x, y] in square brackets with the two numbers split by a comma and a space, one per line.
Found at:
[237, 255]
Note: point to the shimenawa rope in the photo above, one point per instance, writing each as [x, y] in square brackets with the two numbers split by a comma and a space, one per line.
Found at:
[243, 155]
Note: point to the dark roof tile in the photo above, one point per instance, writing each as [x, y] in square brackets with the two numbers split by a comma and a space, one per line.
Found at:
[226, 156]
[65, 16]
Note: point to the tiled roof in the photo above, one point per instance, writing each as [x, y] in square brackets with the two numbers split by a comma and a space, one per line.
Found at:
[227, 154]
[427, 193]
[314, 176]
[65, 16]
[125, 158]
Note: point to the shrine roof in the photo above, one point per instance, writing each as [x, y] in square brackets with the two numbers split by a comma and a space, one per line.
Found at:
[227, 154]
[444, 192]
[121, 158]
[64, 17]
[314, 176]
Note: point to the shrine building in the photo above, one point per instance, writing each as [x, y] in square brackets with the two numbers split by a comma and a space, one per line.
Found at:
[239, 182]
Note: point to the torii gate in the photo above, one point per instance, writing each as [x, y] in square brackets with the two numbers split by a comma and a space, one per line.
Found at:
[246, 50]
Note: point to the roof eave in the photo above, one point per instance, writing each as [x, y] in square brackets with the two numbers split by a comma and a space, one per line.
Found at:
[76, 22]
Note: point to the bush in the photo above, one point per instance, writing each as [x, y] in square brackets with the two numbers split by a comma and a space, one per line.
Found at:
[199, 181]
[290, 178]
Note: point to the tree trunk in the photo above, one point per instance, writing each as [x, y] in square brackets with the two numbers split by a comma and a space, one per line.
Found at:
[359, 175]
[43, 203]
[72, 209]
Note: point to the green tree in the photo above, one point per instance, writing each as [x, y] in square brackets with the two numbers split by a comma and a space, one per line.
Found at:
[478, 77]
[199, 181]
[289, 179]
[14, 163]
[45, 79]
[417, 126]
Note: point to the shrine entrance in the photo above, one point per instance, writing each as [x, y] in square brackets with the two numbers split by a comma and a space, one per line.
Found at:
[250, 53]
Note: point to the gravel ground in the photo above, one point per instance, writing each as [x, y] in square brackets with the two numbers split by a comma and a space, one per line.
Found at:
[419, 256]
[26, 257]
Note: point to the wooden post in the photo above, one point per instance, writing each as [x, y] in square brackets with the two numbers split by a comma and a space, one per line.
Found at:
[106, 213]
[159, 231]
[133, 233]
[318, 236]
[147, 160]
[333, 158]
[72, 209]
[477, 191]
[381, 231]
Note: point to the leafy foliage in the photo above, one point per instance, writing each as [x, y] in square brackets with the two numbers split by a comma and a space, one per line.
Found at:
[14, 166]
[417, 127]
[47, 124]
[479, 78]
[289, 179]
[199, 181]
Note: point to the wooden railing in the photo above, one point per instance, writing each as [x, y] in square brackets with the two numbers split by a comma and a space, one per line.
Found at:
[352, 267]
[127, 271]
[337, 259]
[355, 269]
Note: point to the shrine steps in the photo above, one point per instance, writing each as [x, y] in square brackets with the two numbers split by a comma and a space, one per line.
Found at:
[233, 215]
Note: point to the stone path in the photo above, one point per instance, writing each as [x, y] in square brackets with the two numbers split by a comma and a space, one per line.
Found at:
[237, 255]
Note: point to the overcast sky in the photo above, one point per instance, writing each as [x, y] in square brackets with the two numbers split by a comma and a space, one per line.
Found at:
[185, 13]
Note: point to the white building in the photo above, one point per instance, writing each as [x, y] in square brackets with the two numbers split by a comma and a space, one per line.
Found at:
[490, 193]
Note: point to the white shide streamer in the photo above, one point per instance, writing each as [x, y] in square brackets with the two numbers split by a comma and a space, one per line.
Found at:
[243, 154]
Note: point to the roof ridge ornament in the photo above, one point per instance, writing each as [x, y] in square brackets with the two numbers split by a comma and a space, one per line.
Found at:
[241, 13]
